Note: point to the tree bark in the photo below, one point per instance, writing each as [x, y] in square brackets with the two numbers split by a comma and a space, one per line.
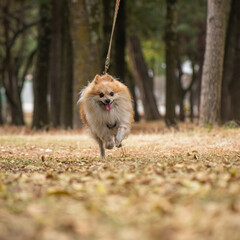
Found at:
[196, 88]
[41, 78]
[229, 59]
[86, 44]
[119, 63]
[66, 69]
[55, 63]
[181, 90]
[143, 81]
[1, 115]
[131, 85]
[235, 85]
[10, 80]
[213, 63]
[171, 62]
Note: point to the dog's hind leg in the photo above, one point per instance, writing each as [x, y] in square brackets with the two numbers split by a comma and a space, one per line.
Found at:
[101, 146]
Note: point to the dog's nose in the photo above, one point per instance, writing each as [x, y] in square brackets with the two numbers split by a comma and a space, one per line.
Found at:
[107, 101]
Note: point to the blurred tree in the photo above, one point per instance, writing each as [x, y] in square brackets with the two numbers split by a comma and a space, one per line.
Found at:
[61, 71]
[121, 70]
[235, 85]
[66, 69]
[213, 63]
[55, 62]
[171, 62]
[1, 116]
[131, 85]
[184, 90]
[230, 62]
[86, 34]
[147, 21]
[141, 76]
[41, 76]
[1, 85]
[140, 60]
[16, 56]
[190, 49]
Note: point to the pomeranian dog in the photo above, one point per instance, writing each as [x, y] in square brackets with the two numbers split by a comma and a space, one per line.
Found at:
[106, 108]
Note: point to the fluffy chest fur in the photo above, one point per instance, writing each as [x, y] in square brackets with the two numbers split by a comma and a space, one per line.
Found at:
[98, 117]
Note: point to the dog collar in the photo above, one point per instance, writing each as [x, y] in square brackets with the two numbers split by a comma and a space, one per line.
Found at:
[111, 126]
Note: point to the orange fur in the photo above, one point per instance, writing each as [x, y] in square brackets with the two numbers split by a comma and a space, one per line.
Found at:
[82, 114]
[107, 102]
[99, 87]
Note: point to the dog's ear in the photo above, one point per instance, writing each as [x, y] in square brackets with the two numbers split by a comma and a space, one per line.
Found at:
[108, 77]
[97, 79]
[112, 79]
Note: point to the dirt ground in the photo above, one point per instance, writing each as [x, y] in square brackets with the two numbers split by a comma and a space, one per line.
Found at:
[163, 184]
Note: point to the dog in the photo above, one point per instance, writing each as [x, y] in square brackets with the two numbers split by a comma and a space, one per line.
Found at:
[106, 109]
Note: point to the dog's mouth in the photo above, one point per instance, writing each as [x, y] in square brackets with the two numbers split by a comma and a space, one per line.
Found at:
[108, 106]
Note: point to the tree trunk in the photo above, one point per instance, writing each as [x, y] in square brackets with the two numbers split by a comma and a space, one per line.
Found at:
[183, 93]
[40, 83]
[235, 85]
[131, 85]
[191, 106]
[66, 69]
[171, 62]
[10, 81]
[16, 107]
[196, 88]
[1, 115]
[120, 43]
[230, 59]
[55, 63]
[181, 106]
[120, 68]
[86, 44]
[194, 80]
[181, 90]
[213, 63]
[143, 81]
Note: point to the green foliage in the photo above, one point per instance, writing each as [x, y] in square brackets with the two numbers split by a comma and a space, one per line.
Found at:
[149, 19]
[154, 55]
[191, 25]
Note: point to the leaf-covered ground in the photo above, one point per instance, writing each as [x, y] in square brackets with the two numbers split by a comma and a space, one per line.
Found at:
[169, 185]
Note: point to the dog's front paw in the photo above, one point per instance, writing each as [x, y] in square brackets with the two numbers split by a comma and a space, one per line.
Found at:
[118, 143]
[109, 145]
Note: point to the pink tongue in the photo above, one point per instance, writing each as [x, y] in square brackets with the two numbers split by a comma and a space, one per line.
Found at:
[108, 107]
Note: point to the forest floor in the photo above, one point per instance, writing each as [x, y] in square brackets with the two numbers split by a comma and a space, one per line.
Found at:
[163, 184]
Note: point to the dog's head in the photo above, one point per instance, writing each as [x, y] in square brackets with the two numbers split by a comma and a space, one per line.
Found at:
[105, 91]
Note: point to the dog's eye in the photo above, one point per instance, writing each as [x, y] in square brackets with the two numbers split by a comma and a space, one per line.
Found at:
[111, 93]
[101, 95]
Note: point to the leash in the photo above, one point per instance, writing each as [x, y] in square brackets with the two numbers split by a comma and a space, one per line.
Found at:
[107, 62]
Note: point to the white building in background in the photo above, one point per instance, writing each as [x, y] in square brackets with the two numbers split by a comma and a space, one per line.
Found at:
[27, 96]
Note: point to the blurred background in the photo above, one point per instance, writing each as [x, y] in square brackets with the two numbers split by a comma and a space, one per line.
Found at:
[50, 49]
